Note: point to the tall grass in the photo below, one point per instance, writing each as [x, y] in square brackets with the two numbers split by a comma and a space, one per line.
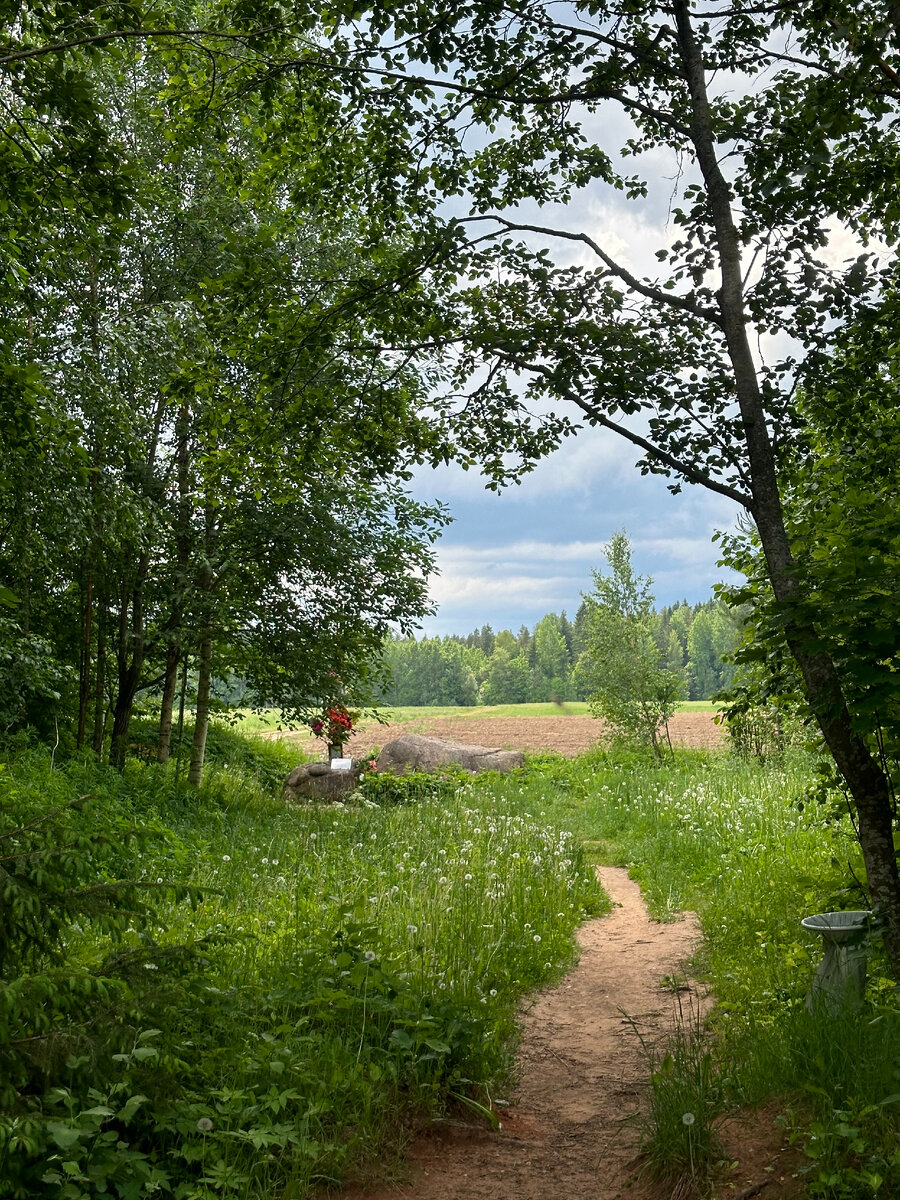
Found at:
[743, 846]
[338, 973]
[302, 983]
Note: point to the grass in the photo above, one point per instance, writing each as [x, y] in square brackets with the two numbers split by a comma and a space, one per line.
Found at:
[307, 982]
[339, 973]
[253, 722]
[742, 845]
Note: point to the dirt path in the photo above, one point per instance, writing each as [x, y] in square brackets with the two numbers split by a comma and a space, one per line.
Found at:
[582, 1073]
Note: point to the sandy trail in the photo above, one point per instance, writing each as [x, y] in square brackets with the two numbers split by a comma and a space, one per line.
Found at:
[582, 1073]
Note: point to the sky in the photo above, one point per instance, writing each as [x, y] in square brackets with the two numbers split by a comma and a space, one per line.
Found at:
[508, 559]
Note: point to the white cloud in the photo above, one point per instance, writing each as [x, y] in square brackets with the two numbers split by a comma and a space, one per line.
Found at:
[526, 551]
[508, 584]
[514, 591]
[591, 456]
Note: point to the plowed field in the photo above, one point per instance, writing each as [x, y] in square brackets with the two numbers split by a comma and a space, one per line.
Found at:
[568, 735]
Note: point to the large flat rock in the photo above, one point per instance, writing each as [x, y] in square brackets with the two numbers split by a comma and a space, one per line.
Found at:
[414, 752]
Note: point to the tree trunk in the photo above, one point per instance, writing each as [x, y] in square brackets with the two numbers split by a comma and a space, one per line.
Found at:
[163, 746]
[181, 705]
[176, 620]
[201, 720]
[100, 682]
[130, 655]
[84, 674]
[864, 777]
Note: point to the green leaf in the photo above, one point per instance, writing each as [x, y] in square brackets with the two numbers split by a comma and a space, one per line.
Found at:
[63, 1135]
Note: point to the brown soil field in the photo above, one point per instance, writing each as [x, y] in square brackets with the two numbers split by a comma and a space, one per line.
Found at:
[561, 735]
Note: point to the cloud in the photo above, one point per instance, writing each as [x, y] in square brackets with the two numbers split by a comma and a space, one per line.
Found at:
[516, 582]
[514, 591]
[580, 462]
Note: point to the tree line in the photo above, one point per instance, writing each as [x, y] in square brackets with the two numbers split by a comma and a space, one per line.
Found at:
[198, 438]
[550, 661]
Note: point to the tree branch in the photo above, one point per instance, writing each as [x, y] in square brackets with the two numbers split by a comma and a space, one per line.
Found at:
[130, 34]
[687, 470]
[685, 303]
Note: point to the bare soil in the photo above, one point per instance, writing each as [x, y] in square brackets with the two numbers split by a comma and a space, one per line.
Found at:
[567, 735]
[572, 1127]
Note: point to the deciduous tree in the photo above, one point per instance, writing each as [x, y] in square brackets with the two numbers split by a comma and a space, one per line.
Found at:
[622, 666]
[779, 124]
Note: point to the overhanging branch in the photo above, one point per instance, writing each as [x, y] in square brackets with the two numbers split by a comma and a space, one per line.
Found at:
[657, 295]
[120, 35]
[687, 470]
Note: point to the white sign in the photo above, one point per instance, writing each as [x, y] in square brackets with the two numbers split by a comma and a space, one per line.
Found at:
[341, 764]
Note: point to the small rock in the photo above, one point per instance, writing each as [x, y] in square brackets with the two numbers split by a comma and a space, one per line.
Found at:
[317, 781]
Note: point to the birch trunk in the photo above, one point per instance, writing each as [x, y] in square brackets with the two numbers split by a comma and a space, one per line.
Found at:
[201, 720]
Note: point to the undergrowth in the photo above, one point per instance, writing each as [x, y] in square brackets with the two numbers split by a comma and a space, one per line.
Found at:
[207, 993]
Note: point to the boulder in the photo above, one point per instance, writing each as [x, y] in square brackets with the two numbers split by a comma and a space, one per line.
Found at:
[317, 781]
[414, 752]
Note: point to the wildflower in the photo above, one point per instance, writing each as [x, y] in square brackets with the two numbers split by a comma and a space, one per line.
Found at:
[688, 1118]
[412, 929]
[204, 1125]
[493, 991]
[368, 955]
[536, 938]
[265, 862]
[226, 858]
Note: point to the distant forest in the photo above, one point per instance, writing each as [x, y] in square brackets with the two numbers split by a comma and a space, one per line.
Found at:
[542, 663]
